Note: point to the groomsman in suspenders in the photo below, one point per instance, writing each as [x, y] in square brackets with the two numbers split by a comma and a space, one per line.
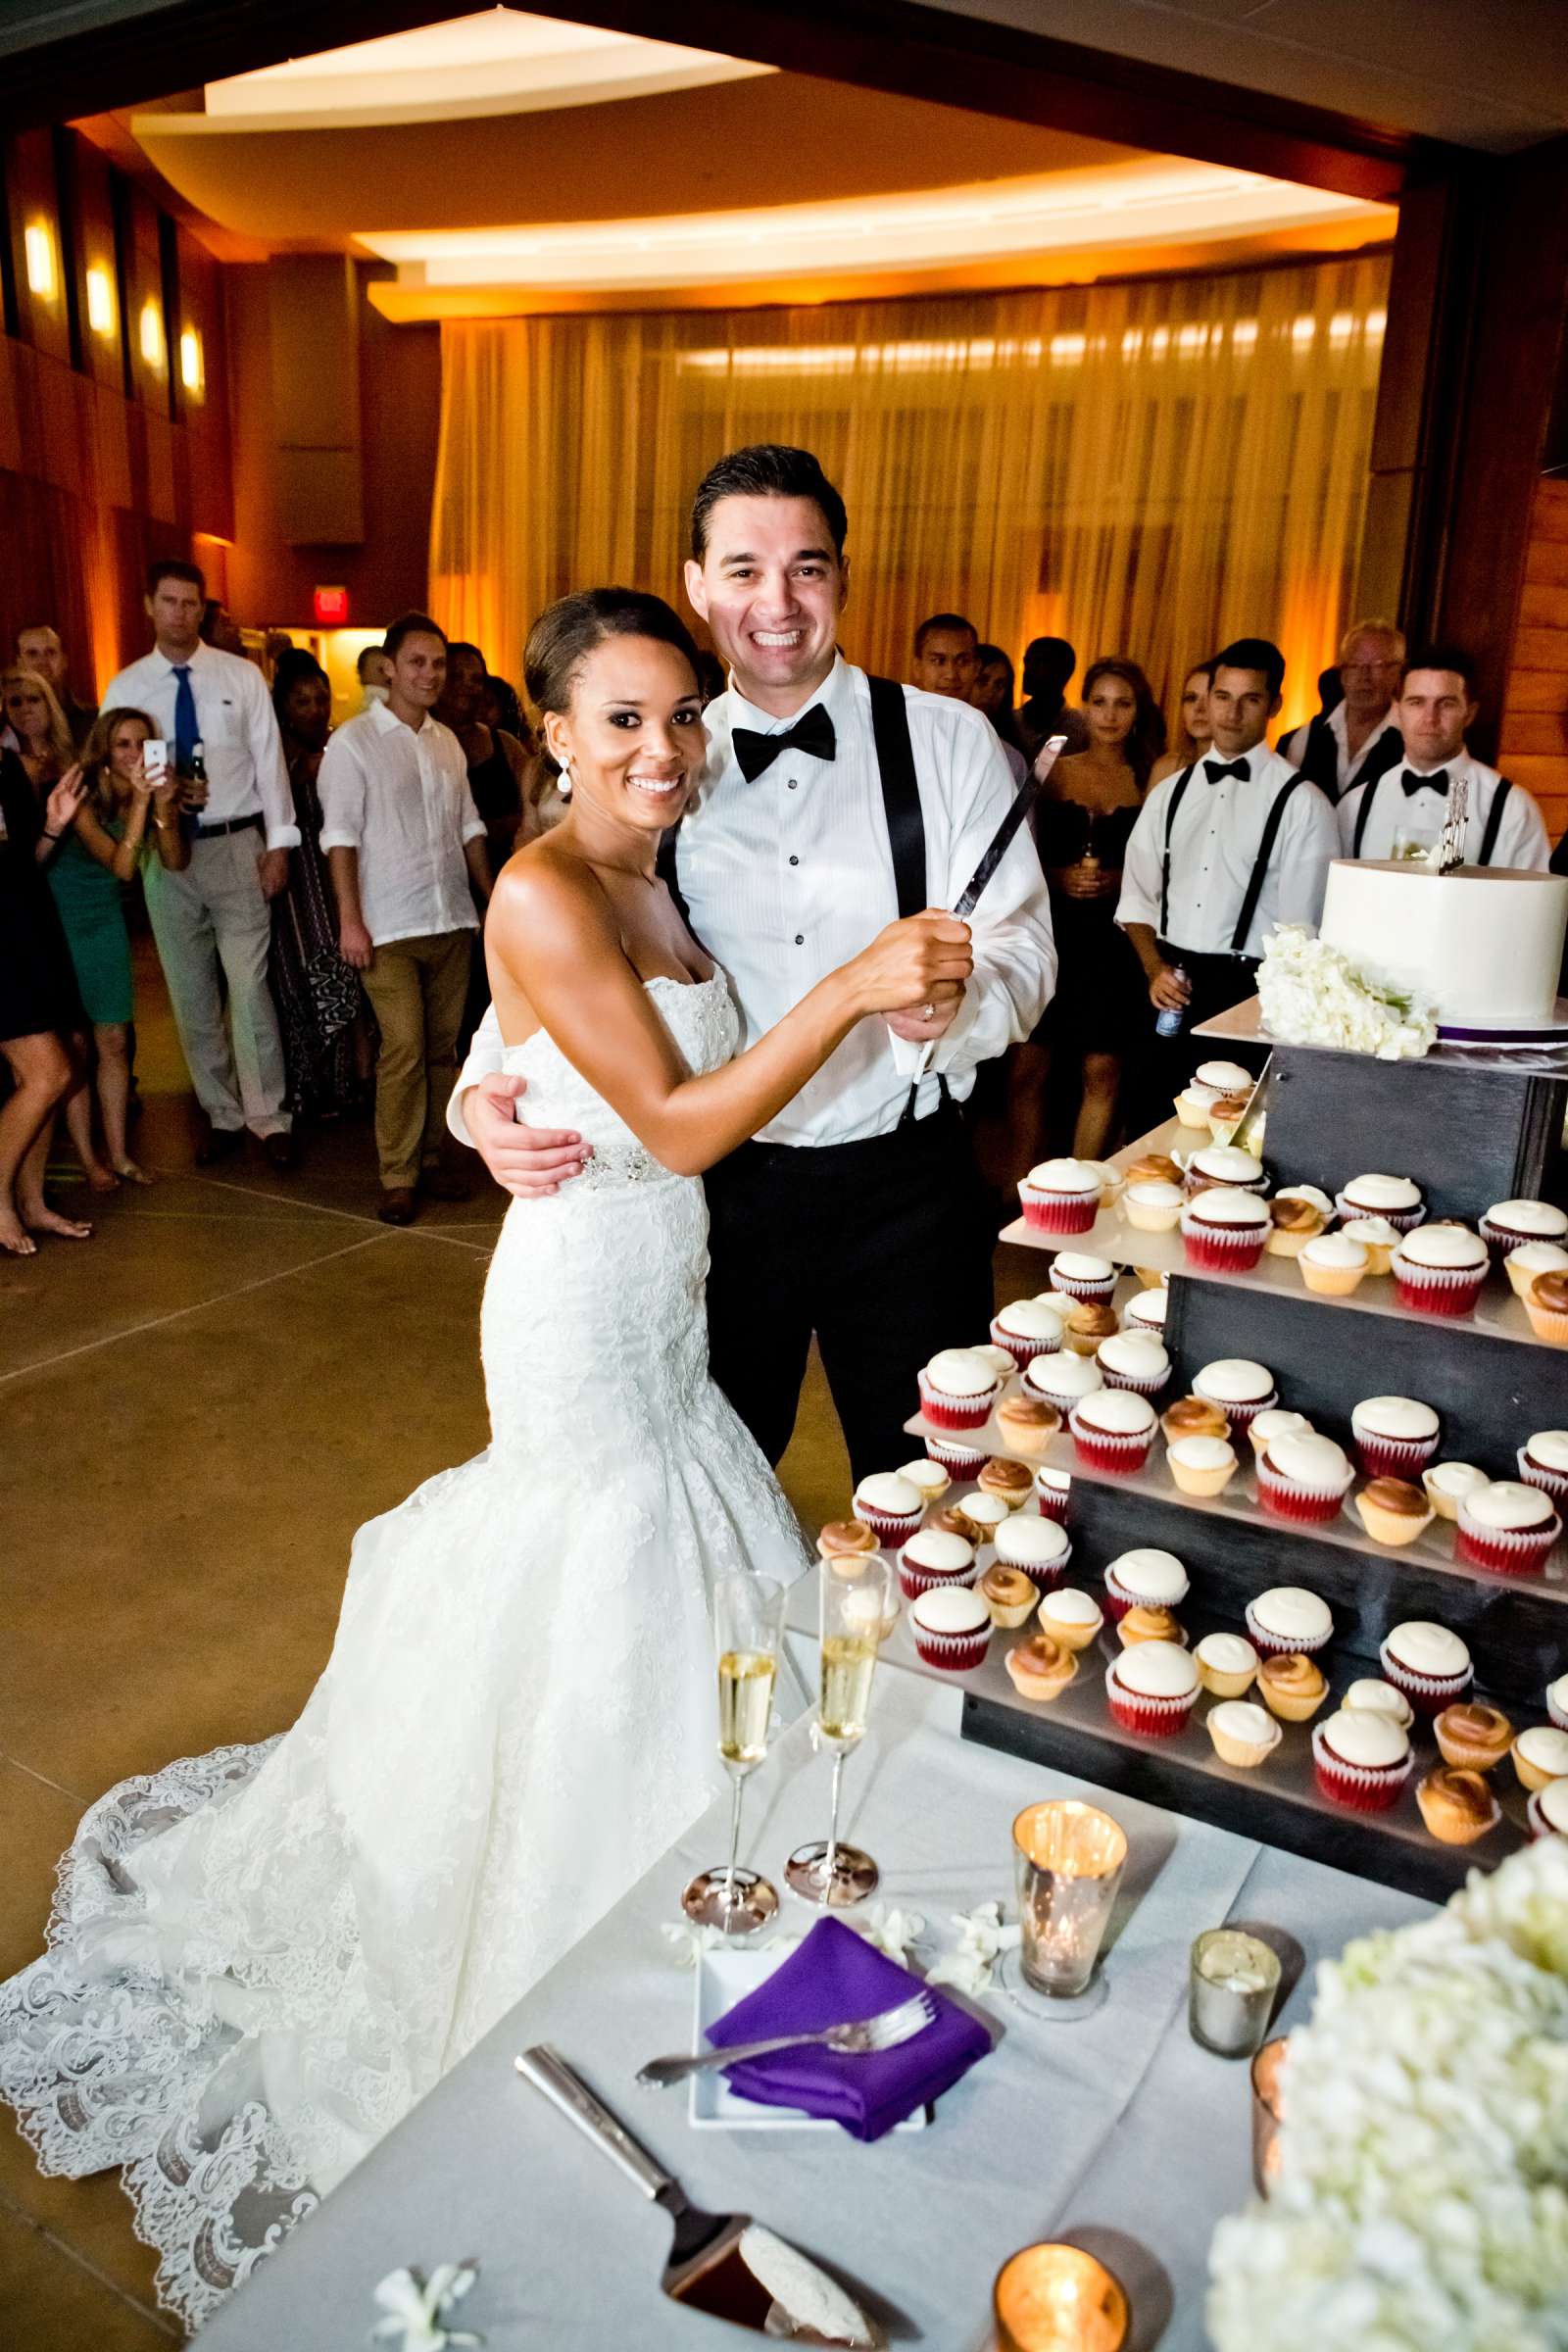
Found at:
[1222, 851]
[1403, 815]
[1359, 740]
[831, 803]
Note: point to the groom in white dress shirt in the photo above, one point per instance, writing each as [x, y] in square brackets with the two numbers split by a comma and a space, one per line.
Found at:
[830, 804]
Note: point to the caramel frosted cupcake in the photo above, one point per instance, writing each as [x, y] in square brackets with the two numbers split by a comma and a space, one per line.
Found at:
[1152, 1204]
[1393, 1437]
[1392, 1512]
[1539, 1755]
[1508, 1526]
[1511, 1224]
[1027, 1327]
[929, 1478]
[1456, 1805]
[1202, 1466]
[1446, 1485]
[1145, 1311]
[1224, 1229]
[1427, 1663]
[1376, 1697]
[1060, 1196]
[1151, 1690]
[1062, 1380]
[1546, 1305]
[1079, 1274]
[1242, 1734]
[1155, 1167]
[1009, 1597]
[1071, 1616]
[1265, 1427]
[1304, 1479]
[1472, 1737]
[1543, 1462]
[1240, 1388]
[1360, 1761]
[1333, 1265]
[1041, 1668]
[1292, 1688]
[1145, 1578]
[847, 1539]
[1112, 1429]
[888, 1505]
[1014, 1482]
[1194, 1417]
[1226, 1664]
[1134, 1359]
[1090, 1323]
[1292, 1223]
[1027, 1423]
[1040, 1547]
[1288, 1620]
[1522, 1265]
[1393, 1197]
[1377, 1237]
[1221, 1166]
[1148, 1625]
[1440, 1270]
[958, 1389]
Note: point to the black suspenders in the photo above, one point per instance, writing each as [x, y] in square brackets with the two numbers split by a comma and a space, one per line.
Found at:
[1361, 815]
[1260, 865]
[1488, 837]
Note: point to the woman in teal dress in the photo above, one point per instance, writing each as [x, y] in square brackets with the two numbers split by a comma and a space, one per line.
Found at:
[119, 820]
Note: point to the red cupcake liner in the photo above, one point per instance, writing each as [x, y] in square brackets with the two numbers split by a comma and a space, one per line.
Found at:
[1044, 1577]
[1403, 1221]
[1308, 1506]
[885, 1526]
[957, 1412]
[1099, 1292]
[1139, 1388]
[1428, 1693]
[1506, 1551]
[1283, 1646]
[1240, 1416]
[1059, 1212]
[1118, 1600]
[958, 1461]
[1392, 1457]
[1051, 1504]
[1023, 1351]
[1100, 1451]
[1359, 1788]
[1500, 1239]
[913, 1579]
[1437, 1290]
[1150, 1718]
[1548, 1482]
[1223, 1249]
[955, 1654]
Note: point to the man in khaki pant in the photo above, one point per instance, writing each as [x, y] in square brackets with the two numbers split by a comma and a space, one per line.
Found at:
[407, 850]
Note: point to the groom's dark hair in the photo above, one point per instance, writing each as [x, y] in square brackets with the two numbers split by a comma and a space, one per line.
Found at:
[766, 469]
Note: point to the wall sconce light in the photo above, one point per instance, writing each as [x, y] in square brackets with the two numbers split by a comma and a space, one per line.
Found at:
[192, 373]
[38, 239]
[100, 300]
[152, 335]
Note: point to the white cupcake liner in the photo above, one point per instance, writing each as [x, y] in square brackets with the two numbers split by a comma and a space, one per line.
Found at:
[945, 1411]
[1097, 1291]
[1283, 1646]
[1550, 1482]
[1403, 1221]
[1437, 1290]
[1022, 1351]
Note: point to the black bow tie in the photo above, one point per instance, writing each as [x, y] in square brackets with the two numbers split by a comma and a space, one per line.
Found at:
[812, 732]
[1436, 782]
[1216, 770]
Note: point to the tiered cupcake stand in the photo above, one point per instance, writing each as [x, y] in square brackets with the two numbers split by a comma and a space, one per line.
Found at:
[1469, 1136]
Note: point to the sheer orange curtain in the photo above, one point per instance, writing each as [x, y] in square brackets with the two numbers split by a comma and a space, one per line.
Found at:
[1146, 467]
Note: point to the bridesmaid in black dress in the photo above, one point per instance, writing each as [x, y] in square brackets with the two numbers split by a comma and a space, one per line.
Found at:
[1101, 1008]
[39, 1001]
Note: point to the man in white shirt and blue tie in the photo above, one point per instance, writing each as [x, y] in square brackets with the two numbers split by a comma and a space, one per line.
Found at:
[216, 911]
[830, 804]
[1403, 815]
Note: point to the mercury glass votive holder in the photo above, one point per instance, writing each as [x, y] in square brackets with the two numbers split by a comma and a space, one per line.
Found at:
[1069, 1859]
[1233, 1979]
[1267, 2111]
[1055, 2298]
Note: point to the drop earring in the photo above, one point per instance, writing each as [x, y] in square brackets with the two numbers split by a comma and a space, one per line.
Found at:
[564, 780]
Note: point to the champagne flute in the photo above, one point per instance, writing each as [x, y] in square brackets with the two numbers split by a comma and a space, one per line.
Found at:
[858, 1607]
[748, 1629]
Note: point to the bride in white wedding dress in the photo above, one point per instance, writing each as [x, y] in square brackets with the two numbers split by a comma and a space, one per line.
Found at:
[259, 1959]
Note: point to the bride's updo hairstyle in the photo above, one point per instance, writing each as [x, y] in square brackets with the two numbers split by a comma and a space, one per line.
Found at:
[566, 632]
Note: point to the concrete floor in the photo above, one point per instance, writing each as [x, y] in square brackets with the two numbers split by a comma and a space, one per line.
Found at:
[197, 1408]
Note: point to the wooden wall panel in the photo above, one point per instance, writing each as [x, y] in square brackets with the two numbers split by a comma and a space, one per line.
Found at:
[1534, 743]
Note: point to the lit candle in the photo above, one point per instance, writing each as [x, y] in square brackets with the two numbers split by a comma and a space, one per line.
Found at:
[1053, 2298]
[1235, 1977]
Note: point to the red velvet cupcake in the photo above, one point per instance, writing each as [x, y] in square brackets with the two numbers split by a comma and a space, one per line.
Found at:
[950, 1628]
[1361, 1760]
[959, 1457]
[1224, 1229]
[1508, 1526]
[958, 1389]
[888, 1505]
[1060, 1196]
[1304, 1479]
[1151, 1688]
[1440, 1269]
[1114, 1428]
[1393, 1437]
[933, 1558]
[1052, 1491]
[1076, 1274]
[1028, 1328]
[1427, 1663]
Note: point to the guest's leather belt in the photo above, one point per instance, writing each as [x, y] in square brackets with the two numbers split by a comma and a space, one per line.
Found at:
[235, 824]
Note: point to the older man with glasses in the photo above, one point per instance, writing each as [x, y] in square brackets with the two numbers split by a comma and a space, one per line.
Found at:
[1359, 740]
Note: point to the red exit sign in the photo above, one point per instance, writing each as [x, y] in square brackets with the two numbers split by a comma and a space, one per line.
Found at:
[332, 607]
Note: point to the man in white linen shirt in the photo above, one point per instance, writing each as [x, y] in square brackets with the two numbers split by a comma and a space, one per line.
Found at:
[830, 804]
[216, 910]
[1403, 814]
[1224, 849]
[1359, 739]
[406, 847]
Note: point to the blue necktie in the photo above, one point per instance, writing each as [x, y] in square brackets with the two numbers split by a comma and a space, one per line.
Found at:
[188, 731]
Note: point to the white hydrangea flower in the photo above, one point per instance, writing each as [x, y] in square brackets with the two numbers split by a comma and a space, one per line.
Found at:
[1312, 995]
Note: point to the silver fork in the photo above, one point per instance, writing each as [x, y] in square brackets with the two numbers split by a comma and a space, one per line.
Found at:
[883, 2031]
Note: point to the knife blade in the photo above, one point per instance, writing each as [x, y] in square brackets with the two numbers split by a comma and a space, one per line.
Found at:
[996, 849]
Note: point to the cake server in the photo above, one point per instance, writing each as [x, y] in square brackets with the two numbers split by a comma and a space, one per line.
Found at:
[721, 2263]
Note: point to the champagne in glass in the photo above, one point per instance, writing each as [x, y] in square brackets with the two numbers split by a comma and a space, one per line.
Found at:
[747, 1628]
[857, 1602]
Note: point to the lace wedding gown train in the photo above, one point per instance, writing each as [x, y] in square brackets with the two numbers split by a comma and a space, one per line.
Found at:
[259, 1958]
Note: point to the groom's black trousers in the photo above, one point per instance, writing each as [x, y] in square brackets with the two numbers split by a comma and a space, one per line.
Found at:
[882, 1248]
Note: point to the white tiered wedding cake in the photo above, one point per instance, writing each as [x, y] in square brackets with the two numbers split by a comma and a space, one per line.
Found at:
[1484, 944]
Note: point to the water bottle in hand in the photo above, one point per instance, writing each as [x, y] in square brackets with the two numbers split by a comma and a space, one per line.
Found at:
[1171, 1019]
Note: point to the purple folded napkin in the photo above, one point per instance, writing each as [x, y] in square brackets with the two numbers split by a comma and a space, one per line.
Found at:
[835, 1976]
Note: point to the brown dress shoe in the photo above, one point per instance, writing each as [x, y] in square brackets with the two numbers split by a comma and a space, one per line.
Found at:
[281, 1152]
[397, 1207]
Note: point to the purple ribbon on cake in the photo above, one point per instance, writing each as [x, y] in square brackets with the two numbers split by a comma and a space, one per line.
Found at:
[833, 1975]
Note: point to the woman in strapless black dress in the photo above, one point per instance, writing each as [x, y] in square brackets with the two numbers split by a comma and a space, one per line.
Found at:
[1100, 1009]
[39, 1001]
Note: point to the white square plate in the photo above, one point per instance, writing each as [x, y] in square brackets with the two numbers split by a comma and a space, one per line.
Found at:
[725, 1978]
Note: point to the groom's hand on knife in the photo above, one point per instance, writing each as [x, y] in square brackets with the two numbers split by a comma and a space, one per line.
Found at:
[525, 1161]
[930, 1019]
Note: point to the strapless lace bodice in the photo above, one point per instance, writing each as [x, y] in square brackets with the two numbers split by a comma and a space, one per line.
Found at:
[701, 1020]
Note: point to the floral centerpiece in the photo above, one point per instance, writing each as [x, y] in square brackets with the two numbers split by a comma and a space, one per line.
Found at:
[1421, 2197]
[1314, 994]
